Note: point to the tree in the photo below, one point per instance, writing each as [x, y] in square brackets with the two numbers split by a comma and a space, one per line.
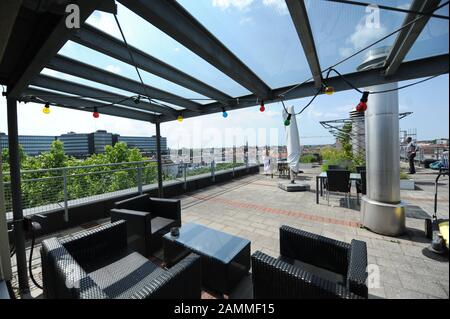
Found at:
[56, 157]
[5, 156]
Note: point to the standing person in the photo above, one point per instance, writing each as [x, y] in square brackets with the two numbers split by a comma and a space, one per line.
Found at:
[411, 149]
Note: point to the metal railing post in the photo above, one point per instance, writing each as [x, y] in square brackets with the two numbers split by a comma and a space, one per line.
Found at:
[185, 176]
[139, 178]
[213, 171]
[66, 196]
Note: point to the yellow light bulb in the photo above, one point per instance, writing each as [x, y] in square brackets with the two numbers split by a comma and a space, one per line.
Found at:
[46, 110]
[329, 90]
[180, 118]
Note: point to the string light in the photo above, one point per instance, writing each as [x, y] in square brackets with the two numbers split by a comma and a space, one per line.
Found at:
[180, 118]
[362, 106]
[224, 113]
[46, 109]
[287, 122]
[137, 99]
[262, 108]
[329, 90]
[96, 115]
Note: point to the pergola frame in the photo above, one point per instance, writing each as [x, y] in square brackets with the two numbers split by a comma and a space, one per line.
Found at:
[170, 17]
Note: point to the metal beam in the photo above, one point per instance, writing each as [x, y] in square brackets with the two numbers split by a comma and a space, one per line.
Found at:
[100, 41]
[170, 17]
[8, 14]
[55, 41]
[79, 104]
[300, 18]
[407, 71]
[76, 68]
[159, 160]
[52, 83]
[408, 36]
[16, 196]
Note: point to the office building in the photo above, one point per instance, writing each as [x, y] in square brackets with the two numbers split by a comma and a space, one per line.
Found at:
[32, 144]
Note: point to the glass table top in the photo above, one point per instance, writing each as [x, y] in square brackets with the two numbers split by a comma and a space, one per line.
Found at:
[209, 241]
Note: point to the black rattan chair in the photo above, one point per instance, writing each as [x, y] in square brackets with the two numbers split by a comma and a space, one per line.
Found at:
[97, 264]
[338, 181]
[311, 267]
[148, 219]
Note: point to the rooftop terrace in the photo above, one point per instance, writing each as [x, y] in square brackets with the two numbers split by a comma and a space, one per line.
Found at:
[253, 207]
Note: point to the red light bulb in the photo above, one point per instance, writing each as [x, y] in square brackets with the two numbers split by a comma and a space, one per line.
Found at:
[96, 115]
[361, 107]
[262, 108]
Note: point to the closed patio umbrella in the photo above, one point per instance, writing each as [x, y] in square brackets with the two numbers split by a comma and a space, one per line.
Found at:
[292, 142]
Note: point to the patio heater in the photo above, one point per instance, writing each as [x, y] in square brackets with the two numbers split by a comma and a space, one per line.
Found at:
[382, 211]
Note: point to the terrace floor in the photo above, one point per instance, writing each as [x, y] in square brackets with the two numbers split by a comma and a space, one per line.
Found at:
[254, 207]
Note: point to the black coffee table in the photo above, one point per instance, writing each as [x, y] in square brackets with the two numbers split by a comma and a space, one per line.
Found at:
[225, 258]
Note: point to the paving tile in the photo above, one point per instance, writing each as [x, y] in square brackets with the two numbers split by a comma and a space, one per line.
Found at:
[415, 283]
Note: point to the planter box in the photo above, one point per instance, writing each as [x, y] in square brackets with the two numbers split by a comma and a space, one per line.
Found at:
[407, 184]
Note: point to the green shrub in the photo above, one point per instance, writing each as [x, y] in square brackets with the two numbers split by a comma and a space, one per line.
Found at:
[308, 158]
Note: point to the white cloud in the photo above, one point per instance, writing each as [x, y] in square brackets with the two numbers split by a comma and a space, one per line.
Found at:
[278, 5]
[113, 69]
[362, 36]
[312, 111]
[238, 4]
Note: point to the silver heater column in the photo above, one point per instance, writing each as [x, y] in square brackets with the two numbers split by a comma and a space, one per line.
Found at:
[382, 210]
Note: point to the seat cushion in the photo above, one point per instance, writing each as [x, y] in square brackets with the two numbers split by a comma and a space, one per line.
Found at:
[320, 272]
[162, 225]
[123, 277]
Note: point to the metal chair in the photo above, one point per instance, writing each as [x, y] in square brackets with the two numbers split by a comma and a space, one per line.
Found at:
[359, 169]
[361, 186]
[338, 181]
[334, 167]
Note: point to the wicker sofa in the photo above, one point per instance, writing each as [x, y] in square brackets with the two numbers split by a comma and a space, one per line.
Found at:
[148, 219]
[97, 264]
[312, 267]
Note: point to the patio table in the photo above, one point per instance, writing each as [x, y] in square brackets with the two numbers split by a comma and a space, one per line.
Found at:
[322, 176]
[225, 258]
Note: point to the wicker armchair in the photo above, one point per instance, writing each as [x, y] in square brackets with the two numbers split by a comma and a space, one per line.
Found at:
[148, 219]
[97, 264]
[311, 267]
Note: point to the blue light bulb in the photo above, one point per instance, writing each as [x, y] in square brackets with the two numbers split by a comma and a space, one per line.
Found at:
[225, 114]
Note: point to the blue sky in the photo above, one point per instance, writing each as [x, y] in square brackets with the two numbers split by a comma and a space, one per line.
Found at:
[261, 34]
